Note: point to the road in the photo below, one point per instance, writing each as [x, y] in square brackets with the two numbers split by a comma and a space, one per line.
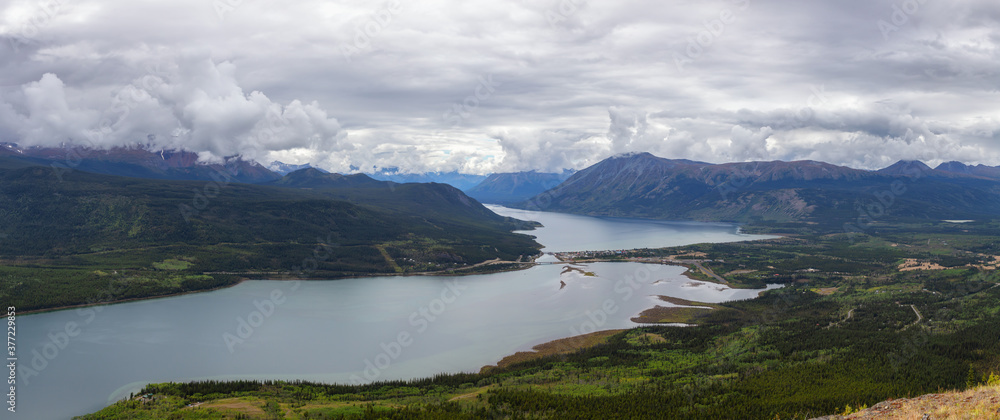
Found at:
[709, 272]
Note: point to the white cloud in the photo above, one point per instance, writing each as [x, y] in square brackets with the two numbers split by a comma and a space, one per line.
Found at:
[548, 150]
[196, 105]
[749, 145]
[785, 80]
[47, 116]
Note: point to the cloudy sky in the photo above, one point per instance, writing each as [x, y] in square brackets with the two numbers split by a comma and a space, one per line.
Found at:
[483, 87]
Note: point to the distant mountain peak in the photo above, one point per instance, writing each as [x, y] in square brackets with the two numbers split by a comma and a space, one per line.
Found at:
[910, 162]
[283, 168]
[629, 155]
[308, 172]
[514, 187]
[651, 187]
[907, 168]
[646, 156]
[953, 166]
[983, 171]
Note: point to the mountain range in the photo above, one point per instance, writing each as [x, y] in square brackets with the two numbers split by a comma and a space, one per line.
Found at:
[42, 214]
[631, 185]
[991, 172]
[62, 234]
[458, 180]
[507, 188]
[282, 168]
[141, 162]
[645, 186]
[429, 201]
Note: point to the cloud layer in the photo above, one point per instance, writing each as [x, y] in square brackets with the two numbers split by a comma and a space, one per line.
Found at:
[512, 85]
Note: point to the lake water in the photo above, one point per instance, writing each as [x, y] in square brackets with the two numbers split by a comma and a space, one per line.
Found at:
[570, 232]
[354, 330]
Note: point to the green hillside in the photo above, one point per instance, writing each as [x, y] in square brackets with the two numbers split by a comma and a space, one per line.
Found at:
[95, 238]
[806, 194]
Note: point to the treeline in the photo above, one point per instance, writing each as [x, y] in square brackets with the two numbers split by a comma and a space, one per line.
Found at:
[308, 389]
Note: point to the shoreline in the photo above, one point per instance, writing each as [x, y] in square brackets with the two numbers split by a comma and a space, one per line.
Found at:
[558, 346]
[521, 266]
[554, 347]
[136, 299]
[684, 312]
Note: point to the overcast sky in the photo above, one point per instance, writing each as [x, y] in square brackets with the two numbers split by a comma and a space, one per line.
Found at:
[501, 86]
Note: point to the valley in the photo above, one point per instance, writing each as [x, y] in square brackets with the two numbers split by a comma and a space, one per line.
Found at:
[289, 330]
[848, 330]
[504, 210]
[852, 309]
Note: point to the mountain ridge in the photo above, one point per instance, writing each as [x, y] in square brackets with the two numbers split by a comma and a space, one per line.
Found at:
[512, 187]
[88, 224]
[645, 186]
[142, 162]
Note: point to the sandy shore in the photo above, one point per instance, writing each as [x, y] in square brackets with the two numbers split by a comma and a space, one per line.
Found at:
[686, 312]
[560, 346]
